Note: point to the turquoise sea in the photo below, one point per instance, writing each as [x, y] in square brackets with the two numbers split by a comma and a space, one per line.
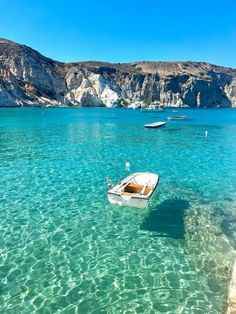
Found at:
[65, 249]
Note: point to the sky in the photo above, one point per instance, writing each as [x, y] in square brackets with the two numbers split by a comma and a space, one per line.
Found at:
[124, 31]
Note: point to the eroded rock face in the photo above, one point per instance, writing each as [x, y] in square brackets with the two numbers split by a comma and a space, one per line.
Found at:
[29, 79]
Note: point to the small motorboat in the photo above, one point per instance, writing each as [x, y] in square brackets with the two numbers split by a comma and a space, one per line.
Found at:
[152, 108]
[135, 190]
[177, 118]
[155, 125]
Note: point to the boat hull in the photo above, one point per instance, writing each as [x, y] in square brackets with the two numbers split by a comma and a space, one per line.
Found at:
[177, 118]
[124, 200]
[155, 125]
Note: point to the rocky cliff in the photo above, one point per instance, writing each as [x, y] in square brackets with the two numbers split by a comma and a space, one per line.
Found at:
[29, 79]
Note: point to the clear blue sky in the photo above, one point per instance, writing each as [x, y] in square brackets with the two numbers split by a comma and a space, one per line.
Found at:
[124, 31]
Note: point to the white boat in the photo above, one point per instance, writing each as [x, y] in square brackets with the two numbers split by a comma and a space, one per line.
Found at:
[155, 125]
[177, 118]
[152, 108]
[135, 190]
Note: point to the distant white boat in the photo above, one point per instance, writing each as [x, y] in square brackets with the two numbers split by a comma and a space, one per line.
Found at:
[177, 118]
[155, 125]
[135, 190]
[152, 108]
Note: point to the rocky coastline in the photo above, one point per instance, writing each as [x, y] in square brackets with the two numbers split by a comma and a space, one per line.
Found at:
[29, 79]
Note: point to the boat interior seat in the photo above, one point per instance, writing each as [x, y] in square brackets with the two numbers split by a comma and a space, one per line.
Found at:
[136, 188]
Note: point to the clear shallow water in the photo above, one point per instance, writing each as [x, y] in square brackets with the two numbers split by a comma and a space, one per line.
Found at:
[65, 249]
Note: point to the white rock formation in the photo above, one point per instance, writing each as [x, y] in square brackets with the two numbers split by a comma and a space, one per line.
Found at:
[28, 79]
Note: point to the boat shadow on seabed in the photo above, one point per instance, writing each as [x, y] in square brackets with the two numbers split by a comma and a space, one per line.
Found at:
[167, 219]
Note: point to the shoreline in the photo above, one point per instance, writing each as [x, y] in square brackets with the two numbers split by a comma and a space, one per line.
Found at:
[95, 107]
